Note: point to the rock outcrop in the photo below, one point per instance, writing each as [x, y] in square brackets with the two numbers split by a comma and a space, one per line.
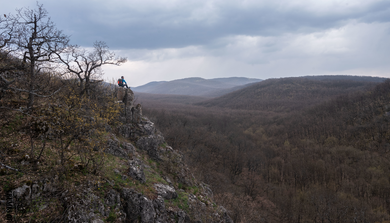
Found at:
[148, 181]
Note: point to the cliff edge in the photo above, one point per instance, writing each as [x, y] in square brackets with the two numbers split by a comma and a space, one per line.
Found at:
[141, 179]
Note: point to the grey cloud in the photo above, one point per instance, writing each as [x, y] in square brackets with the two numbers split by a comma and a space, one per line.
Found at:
[128, 26]
[284, 34]
[378, 12]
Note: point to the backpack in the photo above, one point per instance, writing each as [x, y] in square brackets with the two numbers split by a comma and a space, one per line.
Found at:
[120, 82]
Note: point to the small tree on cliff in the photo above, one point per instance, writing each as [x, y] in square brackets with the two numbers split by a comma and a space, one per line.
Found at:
[87, 64]
[7, 27]
[37, 41]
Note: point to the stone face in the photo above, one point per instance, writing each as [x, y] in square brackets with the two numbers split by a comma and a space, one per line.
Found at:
[226, 217]
[90, 202]
[149, 128]
[131, 204]
[136, 170]
[128, 97]
[134, 131]
[151, 145]
[136, 113]
[114, 147]
[84, 207]
[159, 206]
[22, 193]
[183, 217]
[120, 93]
[165, 191]
[112, 198]
[129, 112]
[147, 211]
[126, 130]
[136, 206]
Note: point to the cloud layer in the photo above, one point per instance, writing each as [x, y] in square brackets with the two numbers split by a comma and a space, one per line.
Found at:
[172, 39]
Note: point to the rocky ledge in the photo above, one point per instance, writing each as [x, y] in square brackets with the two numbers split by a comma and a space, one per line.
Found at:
[145, 181]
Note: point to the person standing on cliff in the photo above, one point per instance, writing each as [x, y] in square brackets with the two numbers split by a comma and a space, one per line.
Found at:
[122, 82]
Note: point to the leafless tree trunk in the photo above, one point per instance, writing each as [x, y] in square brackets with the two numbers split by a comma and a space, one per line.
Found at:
[87, 64]
[37, 41]
[7, 28]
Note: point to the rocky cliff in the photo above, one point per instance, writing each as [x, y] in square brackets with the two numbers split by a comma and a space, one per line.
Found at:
[144, 180]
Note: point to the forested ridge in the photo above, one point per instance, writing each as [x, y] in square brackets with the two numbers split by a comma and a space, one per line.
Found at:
[326, 161]
[196, 86]
[285, 94]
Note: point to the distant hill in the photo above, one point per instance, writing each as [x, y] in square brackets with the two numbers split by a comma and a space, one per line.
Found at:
[287, 94]
[158, 100]
[345, 77]
[196, 86]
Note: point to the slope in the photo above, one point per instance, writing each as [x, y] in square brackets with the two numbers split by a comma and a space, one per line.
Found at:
[90, 158]
[286, 94]
[328, 161]
[195, 86]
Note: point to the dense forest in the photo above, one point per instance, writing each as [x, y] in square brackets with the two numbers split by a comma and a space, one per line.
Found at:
[286, 94]
[288, 150]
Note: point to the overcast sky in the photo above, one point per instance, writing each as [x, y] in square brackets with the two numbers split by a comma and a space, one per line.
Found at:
[174, 39]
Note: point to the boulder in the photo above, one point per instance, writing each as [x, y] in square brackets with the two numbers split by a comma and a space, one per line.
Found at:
[22, 193]
[159, 206]
[124, 150]
[136, 206]
[165, 191]
[84, 207]
[112, 198]
[136, 170]
[151, 145]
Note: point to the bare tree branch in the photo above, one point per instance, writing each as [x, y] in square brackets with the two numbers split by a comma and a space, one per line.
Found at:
[8, 167]
[18, 110]
[7, 84]
[38, 95]
[7, 28]
[38, 42]
[87, 64]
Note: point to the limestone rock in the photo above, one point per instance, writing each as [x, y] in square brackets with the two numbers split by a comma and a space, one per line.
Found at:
[136, 170]
[125, 95]
[136, 206]
[22, 193]
[165, 191]
[151, 145]
[134, 131]
[126, 130]
[180, 215]
[124, 150]
[112, 198]
[128, 97]
[225, 215]
[84, 207]
[136, 114]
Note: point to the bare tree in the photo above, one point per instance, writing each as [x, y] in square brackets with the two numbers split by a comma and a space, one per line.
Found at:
[87, 64]
[37, 41]
[8, 63]
[7, 27]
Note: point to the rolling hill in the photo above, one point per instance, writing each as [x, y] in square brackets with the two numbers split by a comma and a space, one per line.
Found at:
[287, 94]
[196, 86]
[329, 160]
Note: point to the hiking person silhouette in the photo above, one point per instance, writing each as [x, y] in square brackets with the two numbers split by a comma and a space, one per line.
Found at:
[122, 82]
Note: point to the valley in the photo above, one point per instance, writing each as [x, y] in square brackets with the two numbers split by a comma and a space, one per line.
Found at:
[305, 151]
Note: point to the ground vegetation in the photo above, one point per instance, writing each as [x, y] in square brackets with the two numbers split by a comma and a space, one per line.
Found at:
[82, 152]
